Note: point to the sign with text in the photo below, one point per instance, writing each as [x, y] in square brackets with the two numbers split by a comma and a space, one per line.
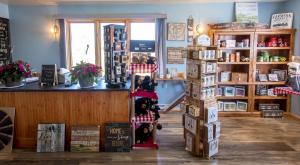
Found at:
[282, 21]
[48, 74]
[117, 137]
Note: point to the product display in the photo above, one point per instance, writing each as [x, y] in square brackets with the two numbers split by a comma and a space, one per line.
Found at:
[116, 57]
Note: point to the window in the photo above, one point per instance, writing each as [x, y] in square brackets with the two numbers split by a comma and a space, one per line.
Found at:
[82, 36]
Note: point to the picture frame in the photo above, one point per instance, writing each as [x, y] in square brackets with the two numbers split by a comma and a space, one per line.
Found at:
[282, 21]
[260, 90]
[281, 74]
[273, 77]
[263, 77]
[241, 106]
[176, 31]
[229, 91]
[229, 106]
[240, 91]
[225, 76]
[174, 55]
[246, 12]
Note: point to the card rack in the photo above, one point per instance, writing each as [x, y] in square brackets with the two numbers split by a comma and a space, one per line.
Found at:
[116, 57]
[201, 125]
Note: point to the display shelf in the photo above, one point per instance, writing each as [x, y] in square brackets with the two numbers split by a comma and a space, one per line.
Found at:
[273, 48]
[270, 97]
[235, 48]
[232, 98]
[147, 94]
[270, 83]
[233, 83]
[271, 63]
[239, 114]
[233, 63]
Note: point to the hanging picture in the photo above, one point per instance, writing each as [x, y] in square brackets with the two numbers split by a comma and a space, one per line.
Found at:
[7, 116]
[246, 12]
[282, 21]
[190, 29]
[175, 55]
[50, 138]
[176, 32]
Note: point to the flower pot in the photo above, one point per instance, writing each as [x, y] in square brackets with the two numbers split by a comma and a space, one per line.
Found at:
[11, 83]
[86, 82]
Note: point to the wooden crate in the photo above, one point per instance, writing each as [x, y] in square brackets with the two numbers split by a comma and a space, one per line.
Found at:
[211, 148]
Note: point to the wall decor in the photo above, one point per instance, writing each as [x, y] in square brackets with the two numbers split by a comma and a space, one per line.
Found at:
[282, 21]
[246, 12]
[117, 137]
[175, 55]
[263, 77]
[176, 32]
[50, 138]
[7, 122]
[281, 74]
[85, 139]
[190, 29]
[5, 47]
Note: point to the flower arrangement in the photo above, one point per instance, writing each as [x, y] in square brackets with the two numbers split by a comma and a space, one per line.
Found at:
[85, 72]
[15, 71]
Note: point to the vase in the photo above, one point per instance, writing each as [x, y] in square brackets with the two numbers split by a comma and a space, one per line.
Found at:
[86, 82]
[13, 83]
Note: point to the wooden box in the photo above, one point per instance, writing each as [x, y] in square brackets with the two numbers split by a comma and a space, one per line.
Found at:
[239, 77]
[211, 114]
[217, 129]
[194, 111]
[191, 124]
[208, 132]
[196, 68]
[200, 93]
[211, 148]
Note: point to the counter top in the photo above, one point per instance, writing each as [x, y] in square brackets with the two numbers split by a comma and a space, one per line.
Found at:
[32, 87]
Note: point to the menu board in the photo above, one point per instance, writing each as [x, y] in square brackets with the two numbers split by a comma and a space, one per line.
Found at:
[4, 42]
[48, 74]
[117, 137]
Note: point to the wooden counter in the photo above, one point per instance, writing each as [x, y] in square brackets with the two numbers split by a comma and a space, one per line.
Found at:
[72, 107]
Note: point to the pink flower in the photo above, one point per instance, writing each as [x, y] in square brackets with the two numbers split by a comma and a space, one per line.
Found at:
[21, 67]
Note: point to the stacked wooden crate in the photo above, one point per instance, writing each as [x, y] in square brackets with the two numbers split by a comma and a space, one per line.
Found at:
[201, 126]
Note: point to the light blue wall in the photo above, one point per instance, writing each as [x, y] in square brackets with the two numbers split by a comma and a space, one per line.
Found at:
[4, 10]
[294, 6]
[30, 28]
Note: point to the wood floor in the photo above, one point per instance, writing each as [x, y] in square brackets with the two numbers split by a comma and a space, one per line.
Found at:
[244, 141]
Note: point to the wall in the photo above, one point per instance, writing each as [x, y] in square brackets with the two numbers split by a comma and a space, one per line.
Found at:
[31, 40]
[4, 10]
[294, 6]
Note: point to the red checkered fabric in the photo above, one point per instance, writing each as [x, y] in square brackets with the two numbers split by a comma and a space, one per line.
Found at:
[151, 95]
[143, 68]
[149, 118]
[285, 91]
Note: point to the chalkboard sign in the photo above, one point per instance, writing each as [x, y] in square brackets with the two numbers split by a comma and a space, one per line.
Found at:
[49, 75]
[5, 47]
[117, 137]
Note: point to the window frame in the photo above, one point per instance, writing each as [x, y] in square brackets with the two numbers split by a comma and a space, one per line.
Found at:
[98, 45]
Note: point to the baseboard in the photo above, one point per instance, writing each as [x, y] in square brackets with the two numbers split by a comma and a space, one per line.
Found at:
[293, 115]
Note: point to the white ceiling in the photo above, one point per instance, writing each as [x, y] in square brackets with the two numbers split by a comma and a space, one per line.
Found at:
[55, 2]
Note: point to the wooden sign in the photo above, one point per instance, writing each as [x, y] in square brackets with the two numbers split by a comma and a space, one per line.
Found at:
[85, 138]
[190, 124]
[49, 75]
[117, 137]
[211, 148]
[175, 55]
[282, 21]
[50, 138]
[211, 114]
[5, 47]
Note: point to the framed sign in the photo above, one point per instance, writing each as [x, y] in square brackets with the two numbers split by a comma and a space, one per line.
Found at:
[175, 55]
[246, 12]
[50, 138]
[282, 21]
[49, 75]
[5, 47]
[85, 138]
[117, 137]
[176, 32]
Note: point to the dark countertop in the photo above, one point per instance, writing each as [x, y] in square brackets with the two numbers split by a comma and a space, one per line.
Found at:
[35, 87]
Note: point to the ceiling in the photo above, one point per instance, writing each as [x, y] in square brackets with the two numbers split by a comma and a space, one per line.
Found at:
[56, 2]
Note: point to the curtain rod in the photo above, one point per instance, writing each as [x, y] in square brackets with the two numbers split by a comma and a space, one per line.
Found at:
[114, 16]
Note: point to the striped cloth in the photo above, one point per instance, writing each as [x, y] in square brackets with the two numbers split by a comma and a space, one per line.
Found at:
[143, 68]
[285, 91]
[149, 118]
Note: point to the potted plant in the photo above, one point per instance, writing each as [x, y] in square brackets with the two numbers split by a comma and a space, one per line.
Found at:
[13, 73]
[85, 73]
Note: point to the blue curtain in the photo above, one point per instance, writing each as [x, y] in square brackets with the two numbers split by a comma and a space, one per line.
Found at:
[161, 45]
[62, 43]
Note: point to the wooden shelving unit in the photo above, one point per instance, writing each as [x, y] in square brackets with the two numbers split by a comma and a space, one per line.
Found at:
[252, 52]
[201, 126]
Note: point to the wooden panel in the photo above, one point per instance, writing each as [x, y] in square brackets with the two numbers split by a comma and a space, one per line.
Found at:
[71, 108]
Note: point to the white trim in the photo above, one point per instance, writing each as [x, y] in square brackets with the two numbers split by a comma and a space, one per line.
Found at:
[114, 16]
